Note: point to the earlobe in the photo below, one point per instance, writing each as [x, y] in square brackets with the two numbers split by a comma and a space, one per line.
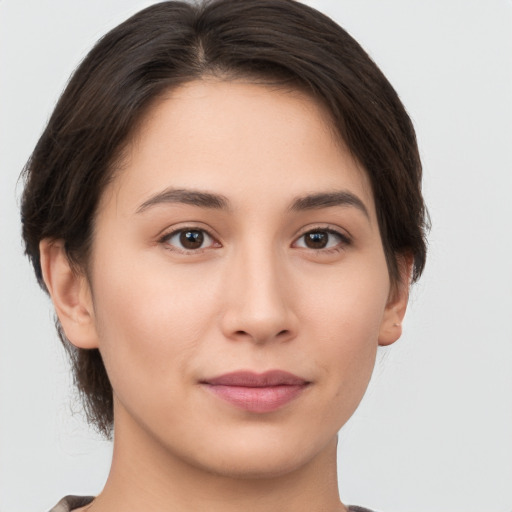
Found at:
[70, 294]
[391, 326]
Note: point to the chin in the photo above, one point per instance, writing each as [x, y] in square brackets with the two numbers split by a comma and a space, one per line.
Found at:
[262, 458]
[258, 468]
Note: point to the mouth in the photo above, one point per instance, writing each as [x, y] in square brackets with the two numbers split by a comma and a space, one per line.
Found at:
[257, 392]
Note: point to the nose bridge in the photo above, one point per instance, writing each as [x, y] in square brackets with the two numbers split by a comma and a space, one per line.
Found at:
[258, 305]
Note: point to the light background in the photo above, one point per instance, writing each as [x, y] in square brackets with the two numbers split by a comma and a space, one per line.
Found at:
[434, 433]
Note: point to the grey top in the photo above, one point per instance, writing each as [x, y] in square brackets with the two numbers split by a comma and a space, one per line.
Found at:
[71, 502]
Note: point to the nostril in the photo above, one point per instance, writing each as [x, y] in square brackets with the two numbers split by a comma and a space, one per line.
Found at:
[281, 334]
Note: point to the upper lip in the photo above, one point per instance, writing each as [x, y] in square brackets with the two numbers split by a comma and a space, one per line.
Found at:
[257, 380]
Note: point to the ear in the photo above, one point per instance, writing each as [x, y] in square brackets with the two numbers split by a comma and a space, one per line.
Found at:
[391, 326]
[70, 293]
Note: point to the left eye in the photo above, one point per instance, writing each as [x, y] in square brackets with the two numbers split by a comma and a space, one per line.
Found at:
[189, 239]
[320, 239]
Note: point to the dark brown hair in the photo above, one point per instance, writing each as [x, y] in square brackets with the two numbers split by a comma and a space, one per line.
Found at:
[171, 43]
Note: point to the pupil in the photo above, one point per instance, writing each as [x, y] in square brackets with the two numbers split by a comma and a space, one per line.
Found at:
[191, 239]
[316, 239]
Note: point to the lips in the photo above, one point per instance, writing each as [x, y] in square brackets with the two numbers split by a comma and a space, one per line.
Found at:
[257, 392]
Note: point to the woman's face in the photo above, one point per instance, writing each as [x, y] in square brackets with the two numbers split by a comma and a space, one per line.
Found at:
[238, 238]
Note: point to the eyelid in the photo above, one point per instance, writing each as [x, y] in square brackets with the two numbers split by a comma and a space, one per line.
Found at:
[345, 238]
[164, 238]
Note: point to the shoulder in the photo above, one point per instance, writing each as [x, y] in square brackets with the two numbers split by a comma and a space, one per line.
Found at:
[71, 502]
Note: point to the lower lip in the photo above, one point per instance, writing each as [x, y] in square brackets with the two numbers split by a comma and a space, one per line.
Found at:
[255, 399]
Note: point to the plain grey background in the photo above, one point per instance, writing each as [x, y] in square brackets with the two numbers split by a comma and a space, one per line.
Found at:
[434, 433]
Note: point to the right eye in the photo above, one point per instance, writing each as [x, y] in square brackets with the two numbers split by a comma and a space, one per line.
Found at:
[189, 240]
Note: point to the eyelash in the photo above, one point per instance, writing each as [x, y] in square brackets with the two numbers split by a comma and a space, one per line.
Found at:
[165, 240]
[343, 242]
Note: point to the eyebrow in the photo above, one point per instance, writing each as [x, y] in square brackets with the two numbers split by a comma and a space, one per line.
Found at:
[327, 200]
[219, 202]
[192, 197]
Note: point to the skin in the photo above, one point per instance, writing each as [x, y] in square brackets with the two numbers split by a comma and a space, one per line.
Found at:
[254, 296]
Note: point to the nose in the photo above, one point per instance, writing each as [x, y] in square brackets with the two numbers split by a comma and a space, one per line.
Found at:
[258, 293]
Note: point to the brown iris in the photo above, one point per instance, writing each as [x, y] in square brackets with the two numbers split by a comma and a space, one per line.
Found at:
[316, 239]
[192, 239]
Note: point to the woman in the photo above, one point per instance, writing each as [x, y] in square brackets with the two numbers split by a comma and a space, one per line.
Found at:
[225, 209]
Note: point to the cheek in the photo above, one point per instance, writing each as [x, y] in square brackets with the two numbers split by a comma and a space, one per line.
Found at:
[348, 303]
[343, 317]
[150, 321]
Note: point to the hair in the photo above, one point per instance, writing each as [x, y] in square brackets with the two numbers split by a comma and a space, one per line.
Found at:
[171, 43]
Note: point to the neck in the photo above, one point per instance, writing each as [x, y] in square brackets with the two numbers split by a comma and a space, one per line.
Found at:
[144, 476]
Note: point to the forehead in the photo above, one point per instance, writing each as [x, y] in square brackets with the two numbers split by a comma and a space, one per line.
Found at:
[237, 139]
